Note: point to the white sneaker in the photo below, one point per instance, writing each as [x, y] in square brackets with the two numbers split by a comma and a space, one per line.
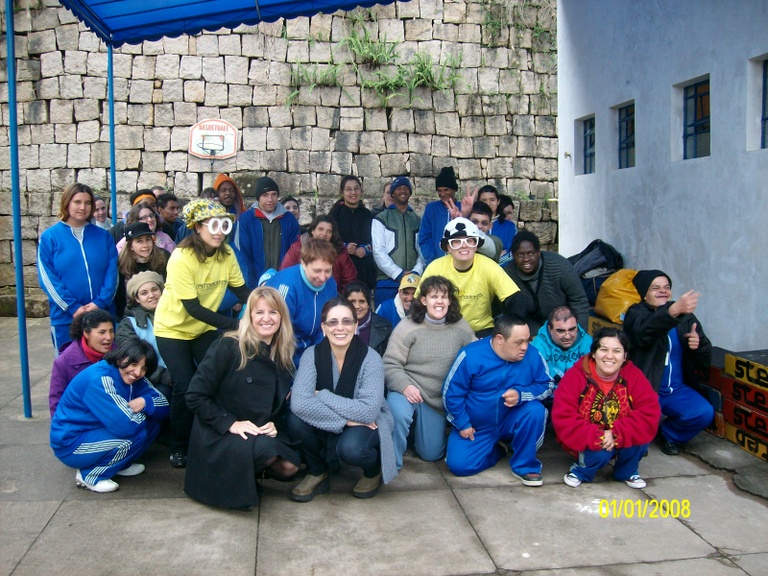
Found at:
[572, 480]
[133, 470]
[635, 481]
[102, 486]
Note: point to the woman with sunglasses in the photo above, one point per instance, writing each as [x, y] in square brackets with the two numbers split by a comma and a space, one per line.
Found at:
[145, 213]
[478, 279]
[338, 410]
[186, 322]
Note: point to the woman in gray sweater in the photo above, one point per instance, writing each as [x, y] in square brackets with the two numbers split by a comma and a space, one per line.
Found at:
[420, 353]
[338, 410]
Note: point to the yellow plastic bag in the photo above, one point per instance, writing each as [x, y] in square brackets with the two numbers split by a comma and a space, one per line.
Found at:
[616, 295]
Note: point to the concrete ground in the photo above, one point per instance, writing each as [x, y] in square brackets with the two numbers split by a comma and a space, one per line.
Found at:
[426, 522]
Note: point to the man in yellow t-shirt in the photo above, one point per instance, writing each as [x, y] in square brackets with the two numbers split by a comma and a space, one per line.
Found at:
[479, 279]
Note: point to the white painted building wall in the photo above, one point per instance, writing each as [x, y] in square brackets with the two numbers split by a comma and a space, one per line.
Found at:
[703, 221]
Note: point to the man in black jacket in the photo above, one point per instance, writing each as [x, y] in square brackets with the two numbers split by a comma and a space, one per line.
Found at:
[668, 344]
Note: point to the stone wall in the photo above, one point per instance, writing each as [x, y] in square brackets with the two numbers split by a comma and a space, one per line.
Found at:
[477, 90]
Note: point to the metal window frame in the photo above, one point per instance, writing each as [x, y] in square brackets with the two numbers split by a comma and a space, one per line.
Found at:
[764, 117]
[589, 145]
[627, 136]
[700, 124]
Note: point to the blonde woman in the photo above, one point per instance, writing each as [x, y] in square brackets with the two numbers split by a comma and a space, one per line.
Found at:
[238, 396]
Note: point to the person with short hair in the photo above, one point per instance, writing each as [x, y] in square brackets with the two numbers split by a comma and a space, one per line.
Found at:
[398, 307]
[100, 213]
[478, 279]
[265, 232]
[493, 393]
[669, 345]
[93, 335]
[293, 206]
[169, 210]
[500, 226]
[76, 264]
[306, 287]
[395, 234]
[372, 329]
[420, 353]
[605, 408]
[437, 214]
[481, 216]
[386, 199]
[108, 416]
[562, 341]
[239, 395]
[546, 280]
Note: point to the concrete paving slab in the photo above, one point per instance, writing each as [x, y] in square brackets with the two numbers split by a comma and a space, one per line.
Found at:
[173, 537]
[699, 566]
[560, 527]
[719, 512]
[18, 430]
[659, 465]
[422, 533]
[33, 474]
[753, 478]
[40, 354]
[20, 525]
[718, 453]
[418, 475]
[753, 564]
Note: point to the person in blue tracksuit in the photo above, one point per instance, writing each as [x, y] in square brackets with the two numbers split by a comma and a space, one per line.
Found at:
[108, 416]
[76, 265]
[306, 287]
[493, 393]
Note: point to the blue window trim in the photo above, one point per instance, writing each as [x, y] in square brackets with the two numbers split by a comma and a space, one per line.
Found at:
[764, 118]
[627, 136]
[696, 120]
[589, 145]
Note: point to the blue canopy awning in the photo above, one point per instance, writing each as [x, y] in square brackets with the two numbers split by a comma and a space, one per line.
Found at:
[119, 22]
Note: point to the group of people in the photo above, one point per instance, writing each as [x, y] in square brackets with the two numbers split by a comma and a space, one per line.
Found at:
[260, 351]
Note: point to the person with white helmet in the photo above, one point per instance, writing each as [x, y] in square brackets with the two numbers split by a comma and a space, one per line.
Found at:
[479, 279]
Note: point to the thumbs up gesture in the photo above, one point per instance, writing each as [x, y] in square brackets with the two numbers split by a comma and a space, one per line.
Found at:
[692, 337]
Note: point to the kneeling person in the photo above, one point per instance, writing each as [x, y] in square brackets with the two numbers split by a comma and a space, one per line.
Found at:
[562, 341]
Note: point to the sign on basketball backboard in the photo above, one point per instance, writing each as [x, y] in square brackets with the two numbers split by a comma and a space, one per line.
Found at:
[214, 139]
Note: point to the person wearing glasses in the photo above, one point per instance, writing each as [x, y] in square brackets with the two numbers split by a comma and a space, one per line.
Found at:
[186, 322]
[479, 279]
[546, 280]
[338, 410]
[562, 341]
[144, 212]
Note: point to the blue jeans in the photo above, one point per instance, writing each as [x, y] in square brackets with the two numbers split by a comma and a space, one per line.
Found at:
[627, 462]
[356, 446]
[429, 428]
[687, 412]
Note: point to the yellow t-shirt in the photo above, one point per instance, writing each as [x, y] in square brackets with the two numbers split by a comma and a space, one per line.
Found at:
[477, 287]
[189, 278]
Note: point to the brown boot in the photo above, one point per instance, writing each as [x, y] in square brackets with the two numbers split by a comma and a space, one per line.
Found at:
[310, 487]
[367, 487]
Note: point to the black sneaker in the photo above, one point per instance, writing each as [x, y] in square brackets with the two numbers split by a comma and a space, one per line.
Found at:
[669, 448]
[178, 460]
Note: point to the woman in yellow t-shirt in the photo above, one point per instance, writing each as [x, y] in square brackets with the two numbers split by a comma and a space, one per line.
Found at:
[186, 323]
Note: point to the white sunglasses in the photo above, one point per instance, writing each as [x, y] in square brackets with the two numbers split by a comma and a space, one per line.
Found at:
[456, 243]
[216, 225]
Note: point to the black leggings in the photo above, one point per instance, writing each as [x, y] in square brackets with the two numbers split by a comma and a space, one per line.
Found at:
[182, 357]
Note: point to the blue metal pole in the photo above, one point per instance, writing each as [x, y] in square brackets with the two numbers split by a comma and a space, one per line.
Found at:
[15, 194]
[111, 98]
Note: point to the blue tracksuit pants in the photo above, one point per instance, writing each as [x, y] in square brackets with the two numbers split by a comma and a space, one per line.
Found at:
[687, 413]
[627, 462]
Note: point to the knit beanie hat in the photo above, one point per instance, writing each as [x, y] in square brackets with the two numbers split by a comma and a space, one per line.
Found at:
[198, 210]
[446, 178]
[265, 184]
[141, 196]
[644, 278]
[138, 280]
[400, 181]
[137, 229]
[220, 179]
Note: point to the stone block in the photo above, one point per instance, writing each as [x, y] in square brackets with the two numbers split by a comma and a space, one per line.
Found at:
[100, 155]
[252, 45]
[523, 125]
[298, 161]
[376, 119]
[280, 116]
[276, 49]
[472, 126]
[351, 123]
[544, 190]
[51, 65]
[528, 82]
[488, 80]
[280, 73]
[157, 139]
[65, 133]
[255, 116]
[444, 101]
[341, 162]
[329, 95]
[61, 178]
[441, 146]
[545, 231]
[467, 83]
[297, 27]
[421, 165]
[445, 32]
[264, 95]
[393, 29]
[216, 95]
[524, 168]
[236, 69]
[447, 124]
[88, 132]
[29, 157]
[40, 202]
[47, 89]
[207, 45]
[213, 69]
[240, 95]
[67, 37]
[418, 30]
[141, 92]
[304, 116]
[408, 10]
[401, 120]
[526, 146]
[78, 156]
[180, 138]
[424, 121]
[454, 12]
[369, 165]
[485, 147]
[298, 51]
[95, 88]
[175, 162]
[328, 117]
[372, 143]
[320, 25]
[163, 115]
[71, 87]
[178, 46]
[518, 104]
[233, 115]
[470, 168]
[431, 9]
[256, 138]
[273, 160]
[546, 147]
[230, 45]
[122, 64]
[166, 67]
[496, 125]
[191, 67]
[301, 138]
[546, 126]
[186, 184]
[87, 109]
[396, 142]
[348, 141]
[279, 138]
[129, 137]
[420, 143]
[501, 168]
[393, 164]
[172, 90]
[35, 112]
[143, 68]
[545, 169]
[141, 114]
[321, 139]
[40, 134]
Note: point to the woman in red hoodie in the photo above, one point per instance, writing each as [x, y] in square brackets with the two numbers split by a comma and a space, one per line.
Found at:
[605, 408]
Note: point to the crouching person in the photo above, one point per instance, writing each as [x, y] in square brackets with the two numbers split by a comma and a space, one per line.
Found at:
[493, 393]
[108, 416]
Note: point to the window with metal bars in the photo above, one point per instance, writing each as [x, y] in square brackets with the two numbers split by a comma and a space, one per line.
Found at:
[589, 145]
[697, 120]
[627, 136]
[764, 116]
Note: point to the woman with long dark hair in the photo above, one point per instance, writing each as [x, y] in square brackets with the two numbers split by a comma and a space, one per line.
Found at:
[354, 222]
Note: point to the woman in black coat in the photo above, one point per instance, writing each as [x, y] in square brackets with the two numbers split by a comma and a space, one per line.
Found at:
[238, 394]
[373, 330]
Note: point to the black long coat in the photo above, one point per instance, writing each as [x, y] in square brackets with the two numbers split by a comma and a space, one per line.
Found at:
[221, 466]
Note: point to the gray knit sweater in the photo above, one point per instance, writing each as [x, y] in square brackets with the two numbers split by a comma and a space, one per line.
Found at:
[422, 354]
[330, 412]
